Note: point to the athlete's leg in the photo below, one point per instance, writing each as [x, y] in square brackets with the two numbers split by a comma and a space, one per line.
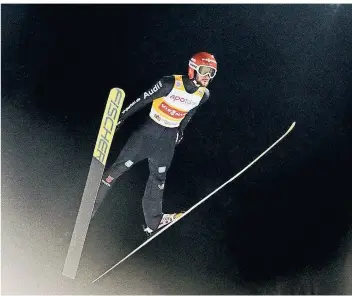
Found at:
[159, 163]
[133, 152]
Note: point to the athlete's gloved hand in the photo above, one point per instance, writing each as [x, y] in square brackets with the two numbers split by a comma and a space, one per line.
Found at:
[179, 137]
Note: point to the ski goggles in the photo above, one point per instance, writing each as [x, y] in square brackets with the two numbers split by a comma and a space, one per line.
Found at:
[206, 70]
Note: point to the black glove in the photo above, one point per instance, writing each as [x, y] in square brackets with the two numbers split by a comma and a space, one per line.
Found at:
[179, 137]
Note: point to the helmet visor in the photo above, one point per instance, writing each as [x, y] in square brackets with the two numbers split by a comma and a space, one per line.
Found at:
[206, 70]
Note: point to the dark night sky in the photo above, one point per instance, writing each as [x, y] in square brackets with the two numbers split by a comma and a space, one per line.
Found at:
[276, 227]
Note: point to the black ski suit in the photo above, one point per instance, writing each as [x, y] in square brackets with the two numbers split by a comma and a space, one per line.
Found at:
[153, 141]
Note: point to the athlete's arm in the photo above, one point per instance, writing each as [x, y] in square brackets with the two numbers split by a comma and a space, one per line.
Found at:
[189, 115]
[160, 89]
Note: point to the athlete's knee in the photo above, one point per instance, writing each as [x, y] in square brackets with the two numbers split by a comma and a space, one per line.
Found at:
[160, 176]
[121, 163]
[116, 170]
[128, 163]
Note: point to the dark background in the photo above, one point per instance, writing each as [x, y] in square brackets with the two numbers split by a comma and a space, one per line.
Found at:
[282, 227]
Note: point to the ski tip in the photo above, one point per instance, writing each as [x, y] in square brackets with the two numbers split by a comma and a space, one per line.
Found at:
[292, 126]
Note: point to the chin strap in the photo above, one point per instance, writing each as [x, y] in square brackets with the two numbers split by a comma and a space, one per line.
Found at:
[199, 85]
[196, 83]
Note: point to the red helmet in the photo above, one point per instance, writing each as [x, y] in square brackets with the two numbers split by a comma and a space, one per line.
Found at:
[204, 63]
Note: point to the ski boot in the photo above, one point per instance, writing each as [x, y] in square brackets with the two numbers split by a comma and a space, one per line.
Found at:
[165, 220]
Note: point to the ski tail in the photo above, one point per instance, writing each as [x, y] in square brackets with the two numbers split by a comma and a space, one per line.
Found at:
[96, 170]
[200, 202]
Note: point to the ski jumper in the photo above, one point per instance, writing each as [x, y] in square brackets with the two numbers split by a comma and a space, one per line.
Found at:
[175, 100]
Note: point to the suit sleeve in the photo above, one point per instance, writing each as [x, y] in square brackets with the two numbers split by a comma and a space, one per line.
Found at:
[190, 114]
[160, 89]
